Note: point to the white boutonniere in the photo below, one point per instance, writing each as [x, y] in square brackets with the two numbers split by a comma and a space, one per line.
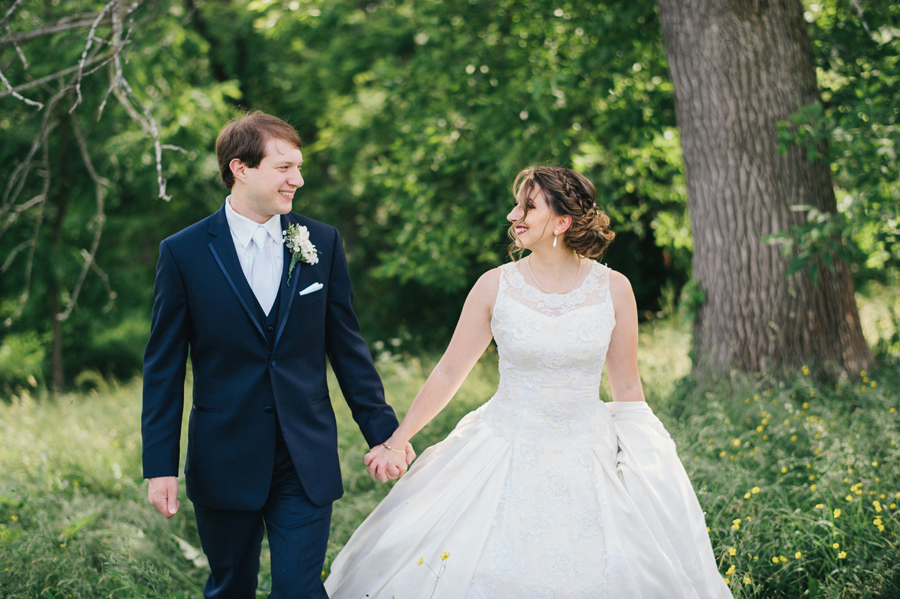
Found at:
[296, 238]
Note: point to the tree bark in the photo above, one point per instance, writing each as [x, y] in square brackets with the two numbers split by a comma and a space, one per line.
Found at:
[739, 67]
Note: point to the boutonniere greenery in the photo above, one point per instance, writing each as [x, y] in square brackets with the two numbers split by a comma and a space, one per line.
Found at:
[296, 238]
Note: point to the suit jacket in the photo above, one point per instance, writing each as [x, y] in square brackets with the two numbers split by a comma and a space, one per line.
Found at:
[244, 382]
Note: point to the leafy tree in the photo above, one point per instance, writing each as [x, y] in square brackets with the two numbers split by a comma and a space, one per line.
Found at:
[101, 98]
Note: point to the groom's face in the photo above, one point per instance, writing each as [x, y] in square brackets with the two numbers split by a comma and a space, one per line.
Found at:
[269, 188]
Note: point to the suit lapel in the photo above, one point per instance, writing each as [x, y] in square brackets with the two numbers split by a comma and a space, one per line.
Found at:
[287, 291]
[222, 248]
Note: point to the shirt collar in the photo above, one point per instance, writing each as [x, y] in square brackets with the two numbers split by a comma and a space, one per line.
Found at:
[243, 228]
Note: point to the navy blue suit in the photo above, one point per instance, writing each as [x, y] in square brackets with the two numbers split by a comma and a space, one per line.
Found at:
[260, 396]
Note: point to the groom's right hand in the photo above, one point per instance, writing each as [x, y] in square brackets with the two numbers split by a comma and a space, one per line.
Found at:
[163, 495]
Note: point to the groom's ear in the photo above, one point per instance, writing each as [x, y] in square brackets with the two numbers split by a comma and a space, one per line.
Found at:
[238, 169]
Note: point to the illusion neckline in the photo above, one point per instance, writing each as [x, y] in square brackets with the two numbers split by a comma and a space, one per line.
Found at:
[592, 272]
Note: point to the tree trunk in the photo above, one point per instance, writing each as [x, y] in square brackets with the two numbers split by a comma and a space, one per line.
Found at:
[739, 67]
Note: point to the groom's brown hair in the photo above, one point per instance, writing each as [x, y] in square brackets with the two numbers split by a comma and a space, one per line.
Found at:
[245, 138]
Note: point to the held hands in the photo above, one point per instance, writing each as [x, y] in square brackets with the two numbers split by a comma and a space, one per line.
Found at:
[385, 464]
[163, 495]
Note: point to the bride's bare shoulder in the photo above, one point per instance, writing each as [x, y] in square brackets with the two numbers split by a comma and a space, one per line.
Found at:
[620, 288]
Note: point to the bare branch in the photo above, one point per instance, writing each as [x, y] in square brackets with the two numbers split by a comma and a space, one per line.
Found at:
[17, 210]
[99, 219]
[153, 130]
[110, 294]
[35, 232]
[87, 47]
[18, 95]
[9, 13]
[21, 55]
[17, 180]
[859, 11]
[15, 252]
[12, 39]
[58, 75]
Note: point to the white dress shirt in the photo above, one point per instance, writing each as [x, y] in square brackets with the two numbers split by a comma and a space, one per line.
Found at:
[242, 230]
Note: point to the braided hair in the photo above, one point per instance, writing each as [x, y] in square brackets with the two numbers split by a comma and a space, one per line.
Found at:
[567, 192]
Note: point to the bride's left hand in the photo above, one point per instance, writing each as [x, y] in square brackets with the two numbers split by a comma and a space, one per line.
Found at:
[382, 464]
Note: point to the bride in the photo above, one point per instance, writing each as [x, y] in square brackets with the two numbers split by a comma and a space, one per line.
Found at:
[545, 491]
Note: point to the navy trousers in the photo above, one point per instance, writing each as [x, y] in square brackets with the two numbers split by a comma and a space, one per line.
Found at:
[298, 536]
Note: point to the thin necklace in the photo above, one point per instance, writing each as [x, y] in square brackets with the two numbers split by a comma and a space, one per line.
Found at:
[541, 287]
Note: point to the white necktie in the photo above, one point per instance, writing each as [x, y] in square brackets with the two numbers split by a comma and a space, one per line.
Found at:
[261, 279]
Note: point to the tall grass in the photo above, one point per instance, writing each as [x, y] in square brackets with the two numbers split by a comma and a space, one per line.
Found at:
[799, 478]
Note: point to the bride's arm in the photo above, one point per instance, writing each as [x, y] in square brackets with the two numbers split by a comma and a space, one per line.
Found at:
[470, 339]
[621, 358]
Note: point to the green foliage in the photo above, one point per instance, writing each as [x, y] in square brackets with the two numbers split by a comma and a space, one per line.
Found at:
[21, 362]
[857, 49]
[418, 115]
[74, 517]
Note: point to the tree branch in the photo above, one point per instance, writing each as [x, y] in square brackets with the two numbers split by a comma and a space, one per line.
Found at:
[99, 219]
[12, 39]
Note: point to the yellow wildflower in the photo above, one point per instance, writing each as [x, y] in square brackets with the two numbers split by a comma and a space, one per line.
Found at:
[877, 505]
[835, 545]
[873, 384]
[842, 554]
[805, 405]
[14, 518]
[421, 560]
[775, 560]
[726, 580]
[445, 555]
[837, 513]
[875, 464]
[732, 551]
[798, 555]
[819, 506]
[746, 495]
[793, 437]
[730, 570]
[784, 469]
[735, 442]
[812, 488]
[782, 559]
[893, 506]
[736, 524]
[805, 370]
[746, 580]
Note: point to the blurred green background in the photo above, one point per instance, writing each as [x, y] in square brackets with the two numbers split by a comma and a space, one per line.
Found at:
[415, 116]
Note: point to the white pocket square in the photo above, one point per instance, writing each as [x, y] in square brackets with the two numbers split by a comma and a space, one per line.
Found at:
[312, 288]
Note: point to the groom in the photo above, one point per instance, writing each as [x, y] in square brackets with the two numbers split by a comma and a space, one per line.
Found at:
[262, 439]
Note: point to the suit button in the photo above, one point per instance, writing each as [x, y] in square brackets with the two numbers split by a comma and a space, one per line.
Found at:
[272, 363]
[270, 328]
[268, 409]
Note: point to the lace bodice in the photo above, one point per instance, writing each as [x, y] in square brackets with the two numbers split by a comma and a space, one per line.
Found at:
[552, 349]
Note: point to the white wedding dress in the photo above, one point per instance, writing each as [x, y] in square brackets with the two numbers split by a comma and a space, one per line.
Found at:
[545, 491]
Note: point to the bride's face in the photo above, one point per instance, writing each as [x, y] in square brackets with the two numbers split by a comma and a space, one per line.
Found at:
[531, 226]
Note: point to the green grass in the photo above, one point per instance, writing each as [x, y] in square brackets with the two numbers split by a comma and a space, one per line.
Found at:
[771, 461]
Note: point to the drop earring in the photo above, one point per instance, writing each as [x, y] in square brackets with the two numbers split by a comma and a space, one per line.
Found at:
[555, 237]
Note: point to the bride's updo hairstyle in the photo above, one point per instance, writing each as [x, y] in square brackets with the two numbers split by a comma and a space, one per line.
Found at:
[566, 192]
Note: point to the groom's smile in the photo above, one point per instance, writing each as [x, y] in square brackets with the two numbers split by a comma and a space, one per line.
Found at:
[268, 189]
